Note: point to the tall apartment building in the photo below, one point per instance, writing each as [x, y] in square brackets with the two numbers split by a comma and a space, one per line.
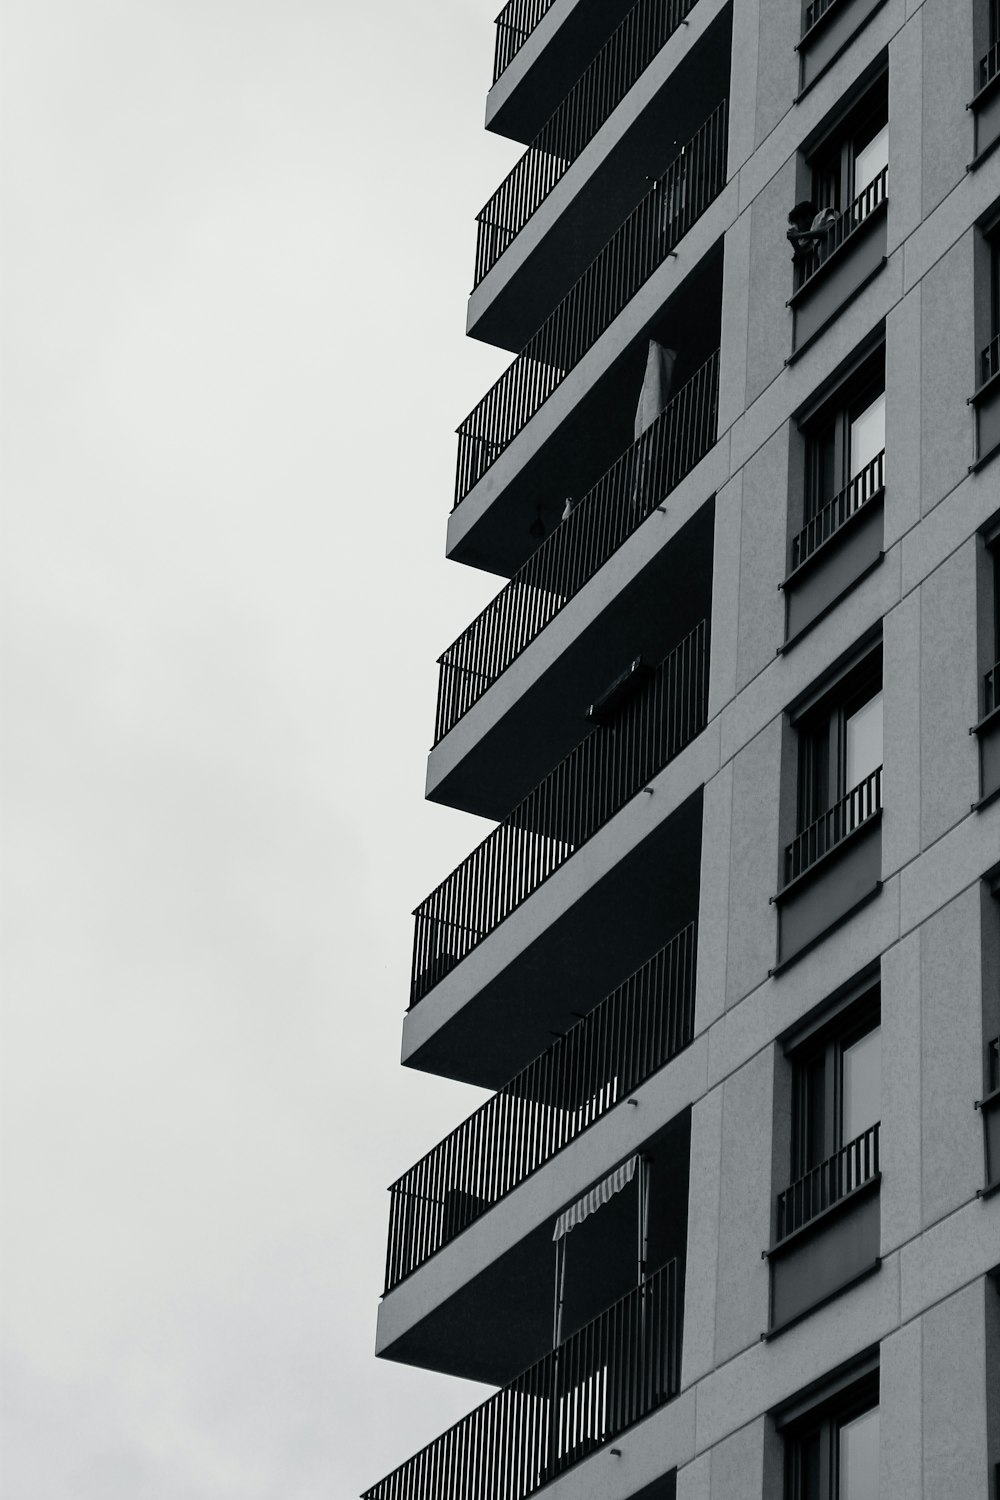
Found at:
[728, 1227]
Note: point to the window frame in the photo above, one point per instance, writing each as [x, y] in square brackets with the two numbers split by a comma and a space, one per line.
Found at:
[821, 760]
[826, 1048]
[819, 1414]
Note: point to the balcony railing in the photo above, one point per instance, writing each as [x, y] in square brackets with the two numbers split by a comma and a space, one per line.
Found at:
[814, 12]
[993, 1066]
[864, 487]
[635, 1031]
[990, 359]
[605, 770]
[861, 803]
[600, 1381]
[623, 58]
[849, 1168]
[514, 24]
[991, 689]
[632, 488]
[829, 240]
[693, 179]
[989, 66]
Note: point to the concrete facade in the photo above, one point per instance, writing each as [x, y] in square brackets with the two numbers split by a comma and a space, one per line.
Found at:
[926, 939]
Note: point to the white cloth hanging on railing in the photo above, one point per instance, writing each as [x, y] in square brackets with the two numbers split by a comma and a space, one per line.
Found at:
[656, 383]
[596, 1198]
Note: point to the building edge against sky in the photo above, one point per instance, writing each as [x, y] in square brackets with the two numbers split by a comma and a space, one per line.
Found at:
[728, 1225]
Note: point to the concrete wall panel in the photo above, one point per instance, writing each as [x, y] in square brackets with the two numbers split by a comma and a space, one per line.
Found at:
[770, 330]
[954, 1397]
[754, 862]
[762, 556]
[745, 1208]
[946, 141]
[947, 373]
[949, 779]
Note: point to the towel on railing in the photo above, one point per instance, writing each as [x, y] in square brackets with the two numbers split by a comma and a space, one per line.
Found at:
[656, 385]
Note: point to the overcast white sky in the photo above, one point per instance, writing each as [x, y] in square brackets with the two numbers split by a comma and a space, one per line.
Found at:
[237, 240]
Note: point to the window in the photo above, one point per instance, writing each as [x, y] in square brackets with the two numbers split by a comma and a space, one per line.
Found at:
[840, 761]
[845, 461]
[832, 1449]
[991, 681]
[836, 1112]
[990, 359]
[837, 1095]
[848, 176]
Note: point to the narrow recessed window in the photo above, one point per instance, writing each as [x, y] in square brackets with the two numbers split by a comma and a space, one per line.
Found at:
[832, 1450]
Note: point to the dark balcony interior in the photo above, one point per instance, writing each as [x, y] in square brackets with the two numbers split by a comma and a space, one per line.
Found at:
[658, 607]
[503, 1320]
[598, 429]
[635, 1031]
[582, 955]
[509, 315]
[520, 112]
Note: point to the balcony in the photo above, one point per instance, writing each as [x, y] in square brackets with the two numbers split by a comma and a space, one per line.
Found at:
[514, 24]
[831, 868]
[638, 1029]
[664, 711]
[692, 181]
[990, 1109]
[828, 1228]
[646, 28]
[840, 261]
[835, 549]
[569, 556]
[852, 1167]
[600, 1381]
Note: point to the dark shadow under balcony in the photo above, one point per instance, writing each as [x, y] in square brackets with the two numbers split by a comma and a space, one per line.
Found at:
[634, 1032]
[607, 1376]
[570, 555]
[692, 181]
[664, 711]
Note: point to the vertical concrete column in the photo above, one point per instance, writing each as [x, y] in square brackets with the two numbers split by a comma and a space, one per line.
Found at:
[955, 1434]
[763, 544]
[701, 1272]
[951, 1052]
[754, 857]
[900, 1194]
[901, 734]
[948, 372]
[735, 322]
[949, 760]
[738, 1464]
[744, 1227]
[905, 142]
[713, 900]
[901, 1414]
[725, 596]
[902, 418]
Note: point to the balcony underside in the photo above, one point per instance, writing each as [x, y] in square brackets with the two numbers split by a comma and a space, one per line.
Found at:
[602, 187]
[589, 421]
[548, 63]
[535, 713]
[612, 905]
[499, 1318]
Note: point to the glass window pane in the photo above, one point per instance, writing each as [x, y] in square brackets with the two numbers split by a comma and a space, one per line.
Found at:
[864, 742]
[861, 1082]
[867, 435]
[870, 160]
[858, 1458]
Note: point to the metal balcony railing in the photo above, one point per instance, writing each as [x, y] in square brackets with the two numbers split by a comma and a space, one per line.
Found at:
[993, 1065]
[990, 359]
[827, 241]
[849, 1168]
[989, 66]
[865, 486]
[514, 24]
[600, 1381]
[605, 770]
[635, 1031]
[632, 488]
[693, 179]
[575, 121]
[991, 689]
[814, 12]
[861, 803]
